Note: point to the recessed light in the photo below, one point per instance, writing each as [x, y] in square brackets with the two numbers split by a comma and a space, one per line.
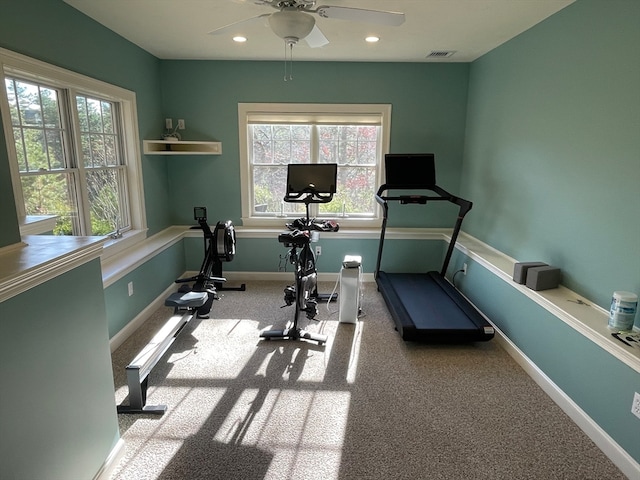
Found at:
[371, 39]
[239, 39]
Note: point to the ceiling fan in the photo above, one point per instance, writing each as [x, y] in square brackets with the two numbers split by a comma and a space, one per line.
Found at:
[295, 20]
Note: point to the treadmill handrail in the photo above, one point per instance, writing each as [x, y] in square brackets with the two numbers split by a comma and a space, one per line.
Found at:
[464, 207]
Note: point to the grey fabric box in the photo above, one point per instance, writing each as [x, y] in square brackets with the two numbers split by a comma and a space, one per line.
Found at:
[520, 270]
[543, 278]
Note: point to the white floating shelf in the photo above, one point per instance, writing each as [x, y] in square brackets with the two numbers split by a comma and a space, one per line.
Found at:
[164, 147]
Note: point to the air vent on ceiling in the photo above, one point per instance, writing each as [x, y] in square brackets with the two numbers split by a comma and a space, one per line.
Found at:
[441, 53]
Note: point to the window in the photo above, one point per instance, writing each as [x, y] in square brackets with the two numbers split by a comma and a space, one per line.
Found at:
[356, 137]
[73, 149]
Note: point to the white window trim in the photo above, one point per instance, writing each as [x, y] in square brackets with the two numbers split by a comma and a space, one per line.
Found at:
[246, 109]
[26, 67]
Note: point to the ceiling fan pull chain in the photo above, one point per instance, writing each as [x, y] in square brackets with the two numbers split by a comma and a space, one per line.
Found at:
[291, 61]
[288, 59]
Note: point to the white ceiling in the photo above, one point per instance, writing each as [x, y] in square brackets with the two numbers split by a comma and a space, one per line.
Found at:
[179, 29]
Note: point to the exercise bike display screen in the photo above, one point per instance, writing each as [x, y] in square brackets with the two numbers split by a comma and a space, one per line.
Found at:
[311, 178]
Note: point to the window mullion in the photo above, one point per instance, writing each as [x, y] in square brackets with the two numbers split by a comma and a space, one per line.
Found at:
[75, 159]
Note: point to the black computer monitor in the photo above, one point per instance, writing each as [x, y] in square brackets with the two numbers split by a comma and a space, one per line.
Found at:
[410, 170]
[315, 178]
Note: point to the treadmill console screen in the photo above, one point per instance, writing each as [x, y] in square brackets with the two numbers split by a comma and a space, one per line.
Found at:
[409, 170]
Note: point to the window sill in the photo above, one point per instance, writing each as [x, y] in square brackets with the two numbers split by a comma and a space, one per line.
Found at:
[40, 258]
[588, 319]
[113, 246]
[37, 224]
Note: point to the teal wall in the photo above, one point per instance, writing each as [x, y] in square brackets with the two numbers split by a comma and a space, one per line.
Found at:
[428, 114]
[55, 368]
[149, 280]
[57, 414]
[552, 152]
[552, 163]
[266, 255]
[596, 381]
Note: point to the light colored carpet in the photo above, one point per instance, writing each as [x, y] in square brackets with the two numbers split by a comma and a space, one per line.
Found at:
[364, 406]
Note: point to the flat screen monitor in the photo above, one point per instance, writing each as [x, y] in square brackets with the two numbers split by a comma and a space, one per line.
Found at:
[311, 178]
[410, 170]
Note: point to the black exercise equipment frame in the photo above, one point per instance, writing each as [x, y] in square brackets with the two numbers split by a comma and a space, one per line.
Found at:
[391, 285]
[305, 293]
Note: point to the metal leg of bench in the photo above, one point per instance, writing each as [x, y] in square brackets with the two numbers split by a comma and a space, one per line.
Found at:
[138, 396]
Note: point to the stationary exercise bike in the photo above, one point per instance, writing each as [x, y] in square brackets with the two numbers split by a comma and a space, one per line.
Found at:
[306, 183]
[219, 245]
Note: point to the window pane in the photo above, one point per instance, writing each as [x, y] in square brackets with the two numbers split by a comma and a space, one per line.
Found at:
[269, 188]
[100, 146]
[107, 120]
[81, 105]
[55, 149]
[52, 194]
[35, 146]
[354, 192]
[281, 144]
[103, 187]
[36, 120]
[50, 112]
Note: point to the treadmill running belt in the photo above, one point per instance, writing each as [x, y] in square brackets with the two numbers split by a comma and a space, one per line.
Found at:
[426, 307]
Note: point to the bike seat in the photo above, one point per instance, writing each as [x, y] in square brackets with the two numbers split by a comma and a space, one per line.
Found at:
[297, 238]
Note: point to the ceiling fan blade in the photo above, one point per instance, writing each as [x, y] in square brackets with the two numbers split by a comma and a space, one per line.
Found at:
[233, 27]
[361, 15]
[316, 38]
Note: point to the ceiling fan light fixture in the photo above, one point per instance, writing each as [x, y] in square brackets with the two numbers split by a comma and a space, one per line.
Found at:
[371, 39]
[239, 39]
[291, 23]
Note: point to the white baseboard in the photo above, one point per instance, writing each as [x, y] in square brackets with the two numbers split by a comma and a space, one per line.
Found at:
[111, 462]
[608, 445]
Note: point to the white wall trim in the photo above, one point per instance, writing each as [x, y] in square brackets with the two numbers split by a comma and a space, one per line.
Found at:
[586, 318]
[111, 462]
[41, 258]
[608, 445]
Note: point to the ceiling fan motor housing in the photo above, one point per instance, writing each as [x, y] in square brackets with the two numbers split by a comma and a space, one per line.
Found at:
[291, 23]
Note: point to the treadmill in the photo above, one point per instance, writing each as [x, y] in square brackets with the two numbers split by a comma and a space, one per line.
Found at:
[425, 307]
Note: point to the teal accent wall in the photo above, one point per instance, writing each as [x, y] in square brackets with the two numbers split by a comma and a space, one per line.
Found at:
[428, 114]
[149, 280]
[267, 255]
[552, 151]
[58, 414]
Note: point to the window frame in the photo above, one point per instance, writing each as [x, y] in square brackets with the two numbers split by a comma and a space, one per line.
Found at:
[16, 65]
[279, 111]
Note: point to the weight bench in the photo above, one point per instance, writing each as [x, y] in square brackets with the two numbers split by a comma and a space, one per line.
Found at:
[185, 307]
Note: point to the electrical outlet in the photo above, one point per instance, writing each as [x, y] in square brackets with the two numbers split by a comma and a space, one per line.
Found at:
[635, 406]
[168, 123]
[180, 124]
[318, 250]
[130, 288]
[464, 268]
